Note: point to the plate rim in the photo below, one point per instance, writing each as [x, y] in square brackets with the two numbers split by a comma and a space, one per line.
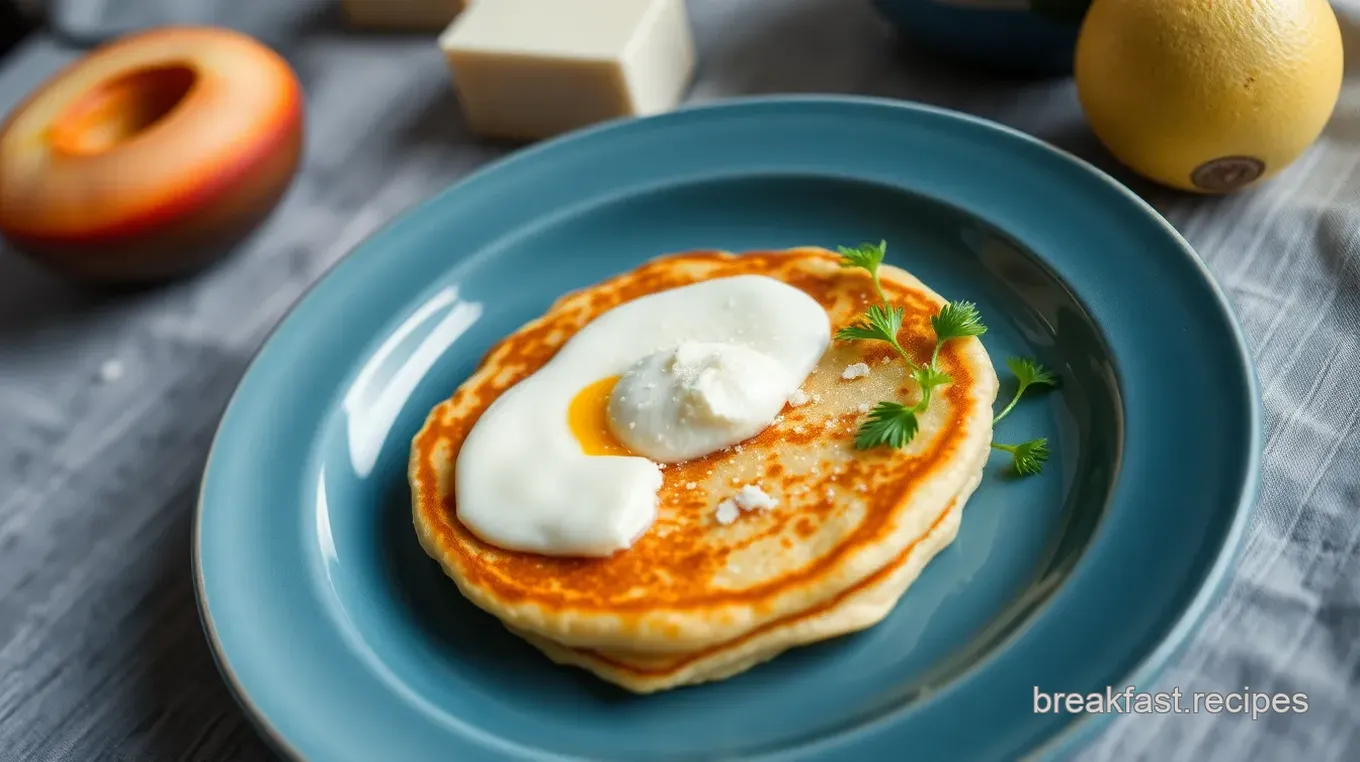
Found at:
[1081, 729]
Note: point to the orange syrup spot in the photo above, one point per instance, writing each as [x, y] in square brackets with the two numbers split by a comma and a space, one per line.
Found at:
[588, 417]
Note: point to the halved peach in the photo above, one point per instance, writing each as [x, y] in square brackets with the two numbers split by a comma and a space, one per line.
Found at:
[152, 155]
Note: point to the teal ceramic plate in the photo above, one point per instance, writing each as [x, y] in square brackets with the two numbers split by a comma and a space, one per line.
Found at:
[344, 642]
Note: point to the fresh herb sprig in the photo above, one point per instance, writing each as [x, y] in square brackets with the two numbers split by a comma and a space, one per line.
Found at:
[889, 423]
[867, 257]
[956, 320]
[878, 323]
[1027, 457]
[893, 424]
[1028, 374]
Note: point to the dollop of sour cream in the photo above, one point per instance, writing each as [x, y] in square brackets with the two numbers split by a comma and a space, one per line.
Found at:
[699, 368]
[686, 402]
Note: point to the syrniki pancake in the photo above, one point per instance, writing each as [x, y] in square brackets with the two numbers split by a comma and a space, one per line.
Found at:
[691, 582]
[855, 609]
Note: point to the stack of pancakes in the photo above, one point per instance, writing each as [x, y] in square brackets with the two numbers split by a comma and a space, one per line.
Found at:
[695, 599]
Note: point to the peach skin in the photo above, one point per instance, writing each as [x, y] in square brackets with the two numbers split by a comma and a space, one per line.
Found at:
[150, 156]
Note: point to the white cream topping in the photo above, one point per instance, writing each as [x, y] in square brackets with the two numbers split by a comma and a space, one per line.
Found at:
[721, 357]
[682, 403]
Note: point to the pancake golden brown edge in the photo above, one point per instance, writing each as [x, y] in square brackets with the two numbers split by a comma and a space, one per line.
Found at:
[857, 608]
[694, 600]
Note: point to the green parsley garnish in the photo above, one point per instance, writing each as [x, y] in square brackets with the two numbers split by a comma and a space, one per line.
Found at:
[1027, 458]
[867, 257]
[879, 323]
[893, 424]
[957, 320]
[929, 377]
[1028, 373]
[889, 423]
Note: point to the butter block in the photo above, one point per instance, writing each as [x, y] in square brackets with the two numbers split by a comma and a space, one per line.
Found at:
[408, 15]
[531, 69]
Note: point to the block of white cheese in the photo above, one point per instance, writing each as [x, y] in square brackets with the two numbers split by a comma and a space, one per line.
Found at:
[530, 69]
[412, 15]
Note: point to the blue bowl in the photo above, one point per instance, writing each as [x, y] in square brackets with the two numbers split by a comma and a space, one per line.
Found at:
[1030, 37]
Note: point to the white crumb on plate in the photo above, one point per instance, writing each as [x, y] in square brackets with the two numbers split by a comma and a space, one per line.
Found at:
[727, 511]
[690, 485]
[799, 397]
[852, 372]
[863, 407]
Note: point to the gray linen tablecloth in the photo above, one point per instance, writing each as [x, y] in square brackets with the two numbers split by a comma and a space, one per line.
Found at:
[107, 404]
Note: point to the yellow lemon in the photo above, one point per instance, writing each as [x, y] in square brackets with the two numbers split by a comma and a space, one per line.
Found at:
[1208, 95]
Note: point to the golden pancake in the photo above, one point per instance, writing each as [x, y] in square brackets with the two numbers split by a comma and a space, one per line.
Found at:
[860, 607]
[691, 583]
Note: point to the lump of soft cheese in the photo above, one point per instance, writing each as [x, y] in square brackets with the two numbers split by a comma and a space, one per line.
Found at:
[749, 498]
[407, 15]
[698, 397]
[530, 69]
[752, 498]
[852, 372]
